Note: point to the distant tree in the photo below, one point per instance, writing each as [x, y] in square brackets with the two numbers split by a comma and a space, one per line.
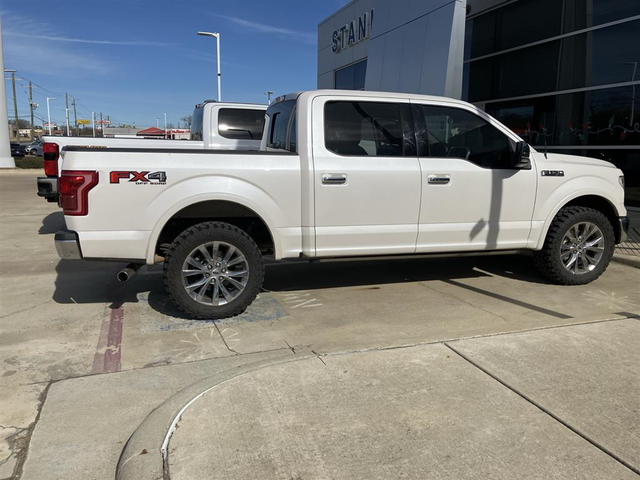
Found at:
[187, 120]
[21, 123]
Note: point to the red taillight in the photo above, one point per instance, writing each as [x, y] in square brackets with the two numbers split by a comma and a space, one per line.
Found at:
[51, 153]
[74, 187]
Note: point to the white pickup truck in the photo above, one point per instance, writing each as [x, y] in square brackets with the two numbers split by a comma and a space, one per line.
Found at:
[214, 126]
[339, 174]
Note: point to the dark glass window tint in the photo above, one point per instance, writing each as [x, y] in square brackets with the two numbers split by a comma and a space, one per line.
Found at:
[351, 77]
[456, 133]
[280, 116]
[240, 123]
[363, 129]
[196, 123]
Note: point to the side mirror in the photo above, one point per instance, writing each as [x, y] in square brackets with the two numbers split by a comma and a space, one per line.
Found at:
[520, 153]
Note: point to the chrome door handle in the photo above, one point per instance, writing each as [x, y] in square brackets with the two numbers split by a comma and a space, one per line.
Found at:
[439, 179]
[334, 179]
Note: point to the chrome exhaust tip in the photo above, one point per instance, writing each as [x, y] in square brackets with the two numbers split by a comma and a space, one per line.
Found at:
[127, 272]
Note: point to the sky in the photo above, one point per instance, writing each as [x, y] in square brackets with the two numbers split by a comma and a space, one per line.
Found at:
[134, 60]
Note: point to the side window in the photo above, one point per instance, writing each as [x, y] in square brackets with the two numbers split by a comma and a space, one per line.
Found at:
[280, 115]
[363, 129]
[456, 133]
[196, 123]
[293, 133]
[240, 123]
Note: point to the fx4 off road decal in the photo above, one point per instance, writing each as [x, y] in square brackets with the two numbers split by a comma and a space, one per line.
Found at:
[139, 178]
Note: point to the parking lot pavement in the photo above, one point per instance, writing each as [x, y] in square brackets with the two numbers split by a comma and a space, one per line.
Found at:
[62, 320]
[428, 412]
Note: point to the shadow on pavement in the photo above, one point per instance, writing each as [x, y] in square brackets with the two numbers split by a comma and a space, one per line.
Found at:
[52, 223]
[95, 282]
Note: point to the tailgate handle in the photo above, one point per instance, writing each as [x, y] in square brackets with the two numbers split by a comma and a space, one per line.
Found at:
[334, 179]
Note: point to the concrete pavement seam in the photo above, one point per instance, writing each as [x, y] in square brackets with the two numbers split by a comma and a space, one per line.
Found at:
[488, 335]
[21, 456]
[154, 365]
[547, 411]
[215, 324]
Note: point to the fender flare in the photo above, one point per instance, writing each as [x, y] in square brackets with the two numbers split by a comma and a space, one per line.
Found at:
[595, 192]
[212, 195]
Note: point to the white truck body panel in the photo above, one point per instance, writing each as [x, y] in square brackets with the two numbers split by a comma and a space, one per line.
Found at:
[386, 205]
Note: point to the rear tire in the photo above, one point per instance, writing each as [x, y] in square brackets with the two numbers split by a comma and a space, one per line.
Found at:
[213, 270]
[578, 247]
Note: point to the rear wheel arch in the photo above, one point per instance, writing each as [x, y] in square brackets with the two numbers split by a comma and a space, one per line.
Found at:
[232, 212]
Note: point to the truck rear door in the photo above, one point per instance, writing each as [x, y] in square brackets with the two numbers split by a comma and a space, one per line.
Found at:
[366, 176]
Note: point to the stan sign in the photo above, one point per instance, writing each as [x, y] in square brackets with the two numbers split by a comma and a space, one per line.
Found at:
[353, 32]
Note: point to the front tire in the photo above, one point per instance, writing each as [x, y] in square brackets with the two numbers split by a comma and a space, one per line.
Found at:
[578, 247]
[213, 270]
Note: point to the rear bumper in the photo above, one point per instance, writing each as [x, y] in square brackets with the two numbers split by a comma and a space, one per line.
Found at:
[624, 228]
[68, 245]
[48, 188]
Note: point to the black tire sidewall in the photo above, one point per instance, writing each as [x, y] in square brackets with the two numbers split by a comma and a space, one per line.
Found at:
[578, 215]
[198, 235]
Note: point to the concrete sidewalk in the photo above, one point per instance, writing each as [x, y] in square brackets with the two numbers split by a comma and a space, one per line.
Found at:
[556, 403]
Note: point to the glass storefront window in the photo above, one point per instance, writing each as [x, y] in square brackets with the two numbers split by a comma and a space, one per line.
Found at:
[351, 77]
[601, 57]
[528, 21]
[597, 117]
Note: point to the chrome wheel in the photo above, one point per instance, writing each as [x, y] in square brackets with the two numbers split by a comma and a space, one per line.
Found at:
[582, 248]
[215, 273]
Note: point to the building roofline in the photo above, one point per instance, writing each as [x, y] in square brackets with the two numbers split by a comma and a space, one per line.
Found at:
[337, 12]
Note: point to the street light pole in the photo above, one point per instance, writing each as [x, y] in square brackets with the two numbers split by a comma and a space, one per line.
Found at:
[93, 122]
[165, 126]
[217, 37]
[268, 94]
[49, 113]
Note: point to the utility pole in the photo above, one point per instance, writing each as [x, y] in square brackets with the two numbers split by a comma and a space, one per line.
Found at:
[101, 125]
[66, 110]
[75, 117]
[15, 103]
[93, 122]
[31, 107]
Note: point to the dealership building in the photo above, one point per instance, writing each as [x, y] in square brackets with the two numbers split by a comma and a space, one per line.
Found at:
[560, 72]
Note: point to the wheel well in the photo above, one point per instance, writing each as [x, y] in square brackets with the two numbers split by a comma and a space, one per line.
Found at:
[242, 217]
[603, 206]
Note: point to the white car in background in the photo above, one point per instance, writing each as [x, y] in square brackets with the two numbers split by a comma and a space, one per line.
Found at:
[214, 126]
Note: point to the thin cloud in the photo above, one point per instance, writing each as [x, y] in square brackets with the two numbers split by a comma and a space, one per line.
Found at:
[135, 43]
[264, 28]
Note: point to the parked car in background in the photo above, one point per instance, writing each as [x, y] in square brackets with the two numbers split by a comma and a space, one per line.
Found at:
[215, 126]
[17, 150]
[34, 148]
[339, 174]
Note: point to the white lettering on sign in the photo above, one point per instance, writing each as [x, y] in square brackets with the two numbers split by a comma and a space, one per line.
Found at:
[353, 32]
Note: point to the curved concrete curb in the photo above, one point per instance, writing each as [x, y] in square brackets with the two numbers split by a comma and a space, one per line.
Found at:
[630, 260]
[142, 457]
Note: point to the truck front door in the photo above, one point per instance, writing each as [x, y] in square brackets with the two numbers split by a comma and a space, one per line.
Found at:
[472, 198]
[366, 177]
